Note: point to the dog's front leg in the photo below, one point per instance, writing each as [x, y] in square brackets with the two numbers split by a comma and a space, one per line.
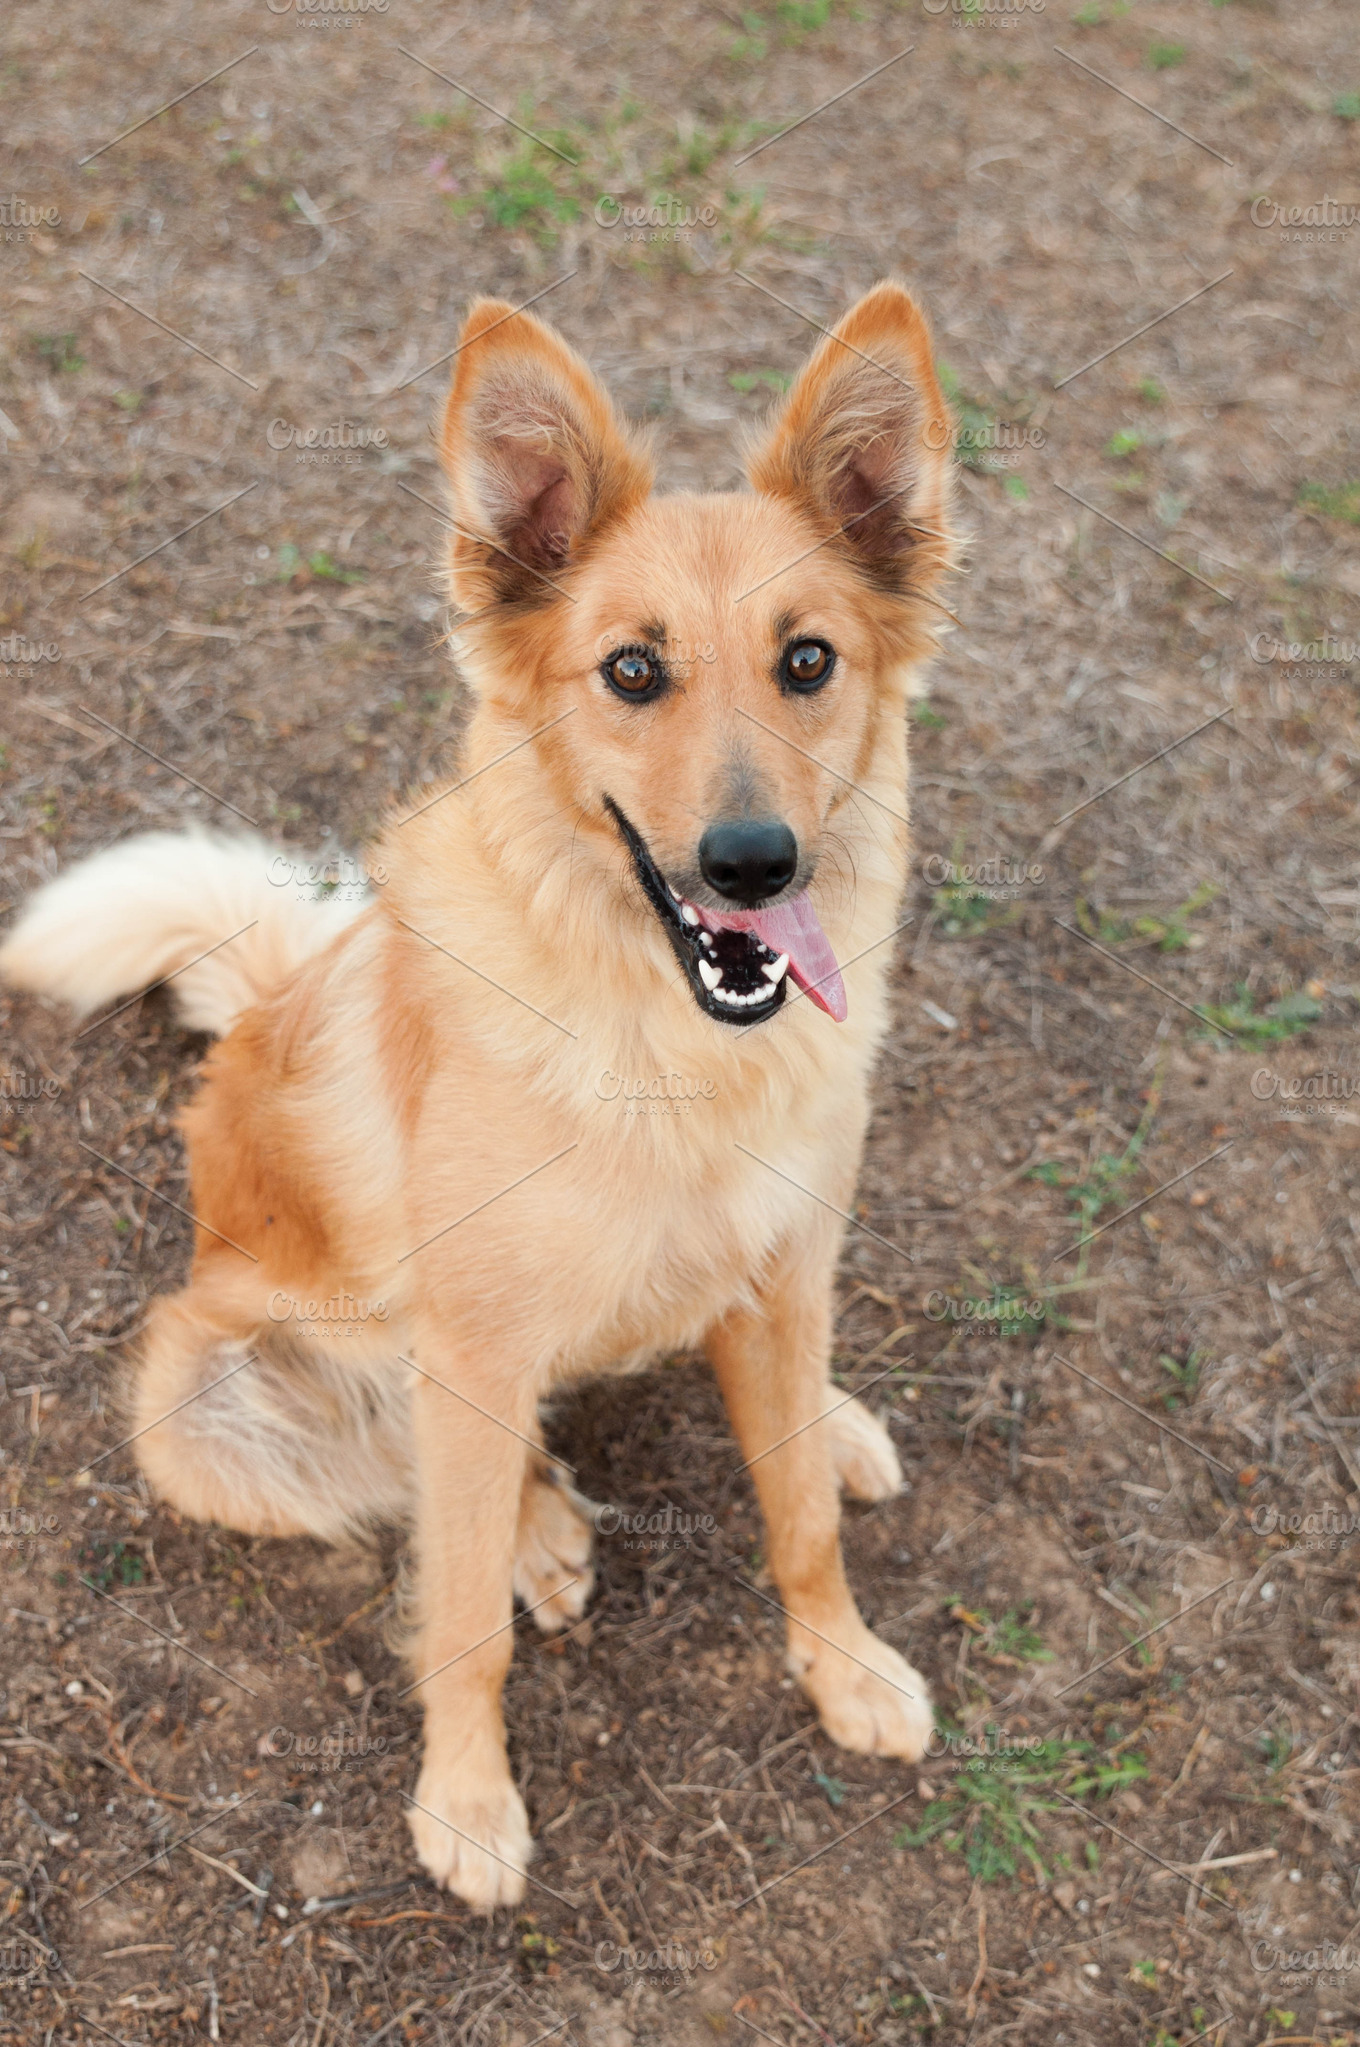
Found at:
[772, 1365]
[471, 1425]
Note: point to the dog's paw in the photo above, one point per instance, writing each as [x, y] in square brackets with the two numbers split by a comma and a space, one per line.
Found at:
[868, 1698]
[862, 1452]
[553, 1574]
[472, 1835]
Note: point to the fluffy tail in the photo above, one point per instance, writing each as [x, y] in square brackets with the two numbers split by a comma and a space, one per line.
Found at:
[222, 915]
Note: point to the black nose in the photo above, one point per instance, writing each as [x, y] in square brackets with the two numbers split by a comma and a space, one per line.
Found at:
[747, 860]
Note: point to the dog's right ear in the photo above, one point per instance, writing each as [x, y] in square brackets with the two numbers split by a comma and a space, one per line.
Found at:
[538, 461]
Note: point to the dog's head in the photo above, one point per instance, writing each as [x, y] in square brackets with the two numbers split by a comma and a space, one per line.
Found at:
[711, 673]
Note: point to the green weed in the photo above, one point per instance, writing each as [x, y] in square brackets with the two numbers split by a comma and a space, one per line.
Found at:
[1276, 1748]
[962, 909]
[992, 1811]
[793, 21]
[1012, 1637]
[59, 352]
[1284, 1018]
[294, 568]
[1105, 1183]
[1341, 503]
[1185, 1372]
[112, 1564]
[1169, 933]
[527, 188]
[976, 424]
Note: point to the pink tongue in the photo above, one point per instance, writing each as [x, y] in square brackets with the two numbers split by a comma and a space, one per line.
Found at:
[793, 928]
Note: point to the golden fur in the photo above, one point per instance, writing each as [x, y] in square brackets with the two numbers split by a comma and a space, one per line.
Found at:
[451, 1041]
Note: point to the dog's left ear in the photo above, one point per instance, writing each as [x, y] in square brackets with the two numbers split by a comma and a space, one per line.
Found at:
[864, 443]
[538, 461]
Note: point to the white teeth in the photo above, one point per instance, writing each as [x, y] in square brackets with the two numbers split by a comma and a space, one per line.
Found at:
[710, 976]
[775, 970]
[674, 893]
[689, 913]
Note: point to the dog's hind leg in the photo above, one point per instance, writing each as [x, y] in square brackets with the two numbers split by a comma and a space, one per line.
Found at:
[237, 1423]
[553, 1544]
[862, 1451]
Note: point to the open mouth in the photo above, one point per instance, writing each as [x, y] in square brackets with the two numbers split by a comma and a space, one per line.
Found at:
[739, 963]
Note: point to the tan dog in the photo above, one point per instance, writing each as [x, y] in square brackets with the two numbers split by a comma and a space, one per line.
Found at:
[682, 806]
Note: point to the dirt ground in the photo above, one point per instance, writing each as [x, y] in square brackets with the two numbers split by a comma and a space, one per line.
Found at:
[1126, 1004]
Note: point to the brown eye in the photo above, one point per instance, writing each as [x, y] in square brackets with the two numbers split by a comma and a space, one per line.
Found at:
[807, 664]
[632, 672]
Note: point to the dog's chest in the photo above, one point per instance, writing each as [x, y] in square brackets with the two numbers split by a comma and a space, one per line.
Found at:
[682, 1213]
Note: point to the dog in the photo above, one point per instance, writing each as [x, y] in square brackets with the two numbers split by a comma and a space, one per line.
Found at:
[677, 848]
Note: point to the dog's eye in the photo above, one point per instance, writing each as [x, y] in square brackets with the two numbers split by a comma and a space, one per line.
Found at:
[807, 664]
[633, 672]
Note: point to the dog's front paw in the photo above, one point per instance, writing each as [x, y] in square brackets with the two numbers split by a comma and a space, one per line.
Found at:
[553, 1574]
[862, 1452]
[472, 1833]
[867, 1696]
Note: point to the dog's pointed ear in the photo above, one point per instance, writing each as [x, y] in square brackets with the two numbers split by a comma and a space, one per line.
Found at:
[538, 462]
[864, 443]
